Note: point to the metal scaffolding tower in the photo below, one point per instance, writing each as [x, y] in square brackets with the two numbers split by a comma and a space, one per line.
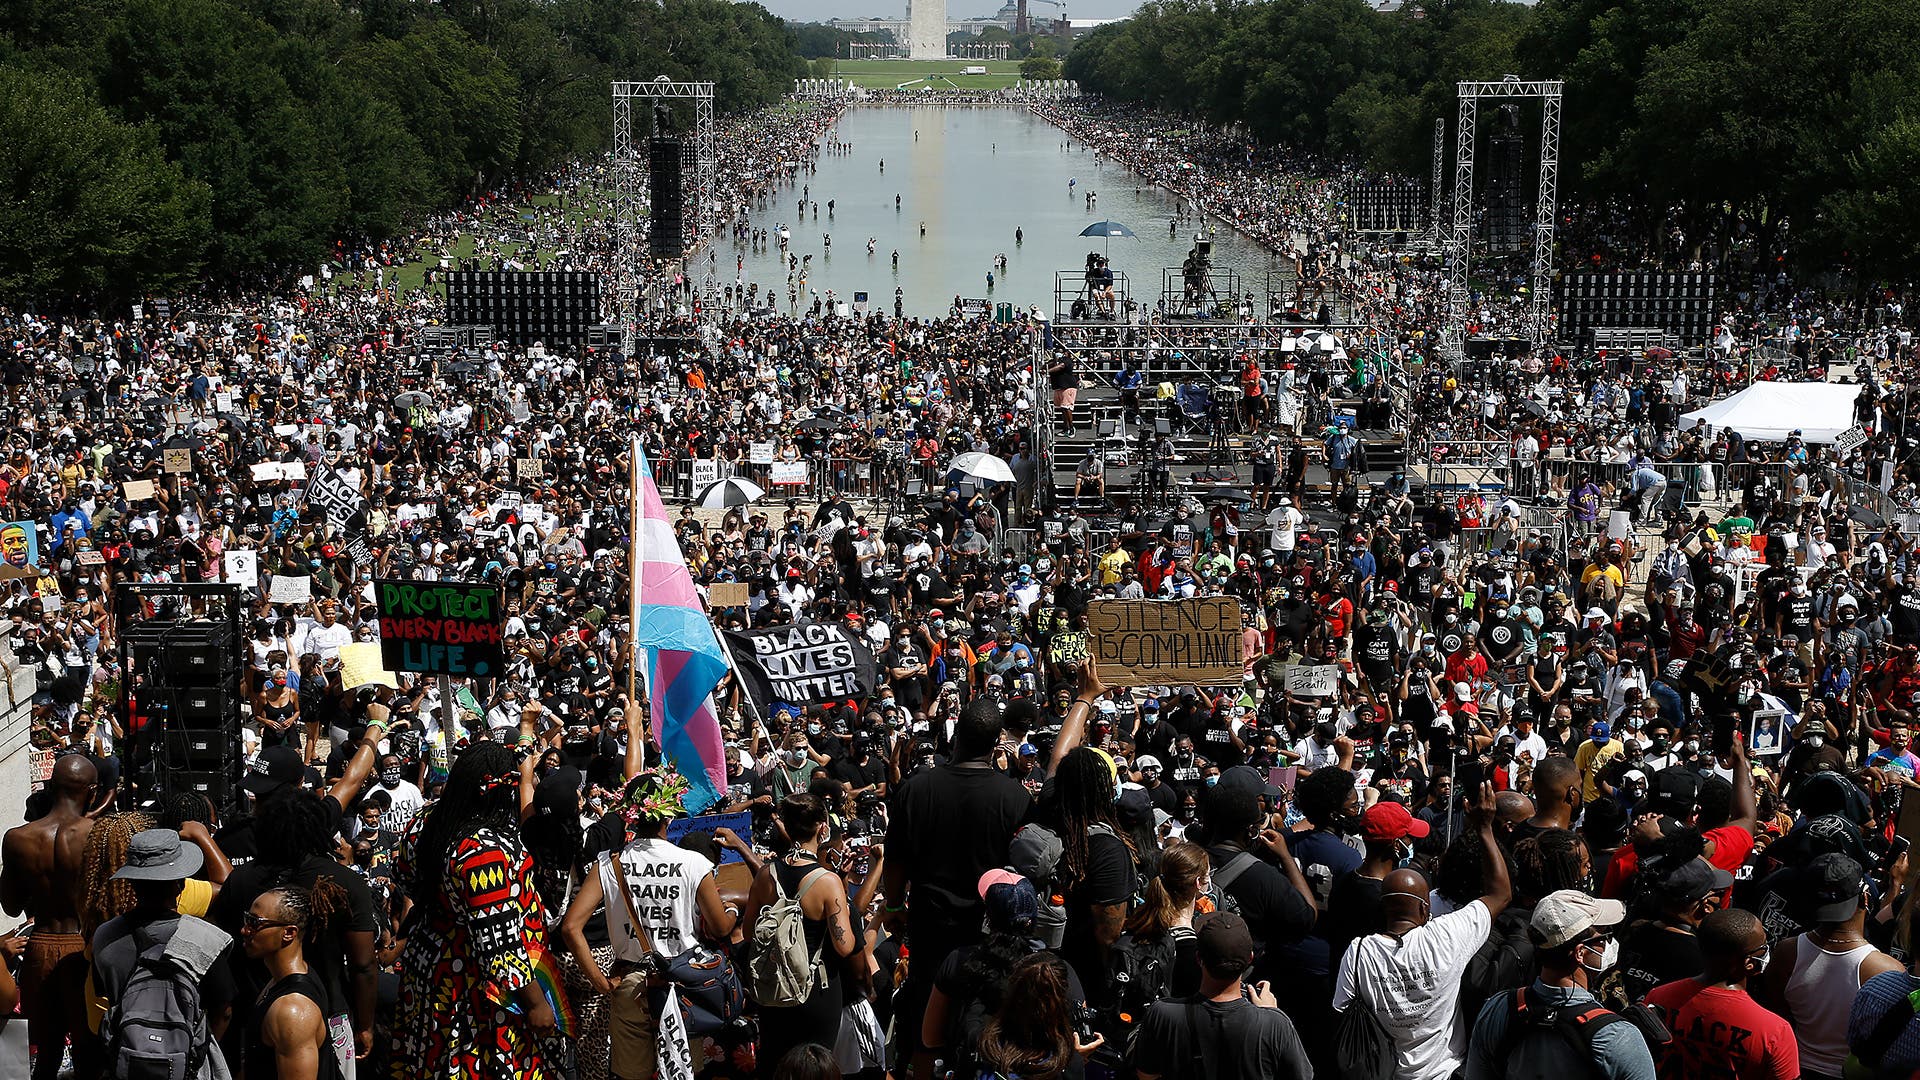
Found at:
[1439, 178]
[1460, 237]
[630, 181]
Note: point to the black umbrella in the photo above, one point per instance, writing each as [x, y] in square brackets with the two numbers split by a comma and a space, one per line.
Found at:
[74, 394]
[1226, 494]
[818, 423]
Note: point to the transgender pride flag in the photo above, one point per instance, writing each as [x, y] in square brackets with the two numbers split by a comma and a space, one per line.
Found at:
[683, 657]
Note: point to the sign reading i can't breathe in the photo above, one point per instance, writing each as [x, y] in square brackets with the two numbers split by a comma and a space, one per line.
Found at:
[439, 627]
[1193, 642]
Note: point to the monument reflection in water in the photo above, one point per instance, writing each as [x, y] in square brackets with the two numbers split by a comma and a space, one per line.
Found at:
[966, 179]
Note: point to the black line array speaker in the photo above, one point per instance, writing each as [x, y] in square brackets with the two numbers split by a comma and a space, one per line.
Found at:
[1679, 303]
[1387, 205]
[666, 229]
[188, 706]
[524, 306]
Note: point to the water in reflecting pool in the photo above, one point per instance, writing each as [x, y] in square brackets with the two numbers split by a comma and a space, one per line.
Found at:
[971, 184]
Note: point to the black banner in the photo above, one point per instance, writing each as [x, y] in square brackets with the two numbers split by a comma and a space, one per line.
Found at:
[803, 664]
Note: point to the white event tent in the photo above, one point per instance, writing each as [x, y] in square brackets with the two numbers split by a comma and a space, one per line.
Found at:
[1770, 411]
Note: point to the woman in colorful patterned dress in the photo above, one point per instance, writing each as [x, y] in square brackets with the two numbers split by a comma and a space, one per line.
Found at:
[474, 997]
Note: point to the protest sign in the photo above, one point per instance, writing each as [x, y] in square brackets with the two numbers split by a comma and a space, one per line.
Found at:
[330, 491]
[439, 627]
[1850, 440]
[89, 557]
[703, 471]
[361, 665]
[40, 767]
[267, 472]
[359, 549]
[1182, 642]
[290, 589]
[223, 400]
[137, 490]
[760, 453]
[1313, 680]
[527, 468]
[242, 567]
[787, 472]
[805, 663]
[176, 459]
[671, 1048]
[741, 823]
[19, 548]
[726, 594]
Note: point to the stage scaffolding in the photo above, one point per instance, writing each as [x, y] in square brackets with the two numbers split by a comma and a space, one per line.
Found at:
[1460, 242]
[630, 179]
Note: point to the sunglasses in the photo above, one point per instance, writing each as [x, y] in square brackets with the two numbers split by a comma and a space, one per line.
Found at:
[250, 923]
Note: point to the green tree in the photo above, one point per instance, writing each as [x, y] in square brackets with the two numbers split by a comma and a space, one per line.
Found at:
[1040, 68]
[94, 211]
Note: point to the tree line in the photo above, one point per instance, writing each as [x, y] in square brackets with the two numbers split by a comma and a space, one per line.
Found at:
[149, 145]
[1788, 129]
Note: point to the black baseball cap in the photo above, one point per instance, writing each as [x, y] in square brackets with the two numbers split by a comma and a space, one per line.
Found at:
[1833, 884]
[275, 768]
[1225, 944]
[1692, 880]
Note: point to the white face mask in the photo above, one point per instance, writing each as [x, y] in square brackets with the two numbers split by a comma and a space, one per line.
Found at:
[1609, 956]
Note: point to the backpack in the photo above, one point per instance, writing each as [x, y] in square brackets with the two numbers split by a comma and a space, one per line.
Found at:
[1362, 1047]
[157, 1030]
[1140, 969]
[1035, 855]
[1868, 1054]
[1224, 877]
[1526, 1015]
[780, 973]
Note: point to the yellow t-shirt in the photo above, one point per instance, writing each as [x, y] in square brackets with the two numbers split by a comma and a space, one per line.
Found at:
[1111, 564]
[1591, 758]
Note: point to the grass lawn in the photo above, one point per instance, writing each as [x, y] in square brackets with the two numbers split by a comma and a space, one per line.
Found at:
[941, 74]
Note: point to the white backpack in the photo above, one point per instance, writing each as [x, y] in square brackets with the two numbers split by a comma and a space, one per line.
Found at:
[781, 974]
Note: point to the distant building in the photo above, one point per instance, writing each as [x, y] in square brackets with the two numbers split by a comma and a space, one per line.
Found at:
[927, 29]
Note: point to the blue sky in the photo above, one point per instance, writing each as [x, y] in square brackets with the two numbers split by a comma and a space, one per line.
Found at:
[821, 10]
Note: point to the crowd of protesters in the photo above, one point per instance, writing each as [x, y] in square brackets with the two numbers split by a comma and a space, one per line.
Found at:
[1490, 799]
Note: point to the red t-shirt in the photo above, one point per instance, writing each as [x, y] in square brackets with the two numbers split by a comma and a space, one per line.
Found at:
[1720, 1032]
[1731, 846]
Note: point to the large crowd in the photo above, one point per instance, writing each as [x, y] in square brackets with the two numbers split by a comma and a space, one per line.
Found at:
[1503, 790]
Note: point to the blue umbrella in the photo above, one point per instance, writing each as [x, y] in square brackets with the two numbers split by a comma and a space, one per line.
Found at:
[1108, 229]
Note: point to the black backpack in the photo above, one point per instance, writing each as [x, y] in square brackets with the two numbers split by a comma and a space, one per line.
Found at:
[1140, 968]
[1576, 1024]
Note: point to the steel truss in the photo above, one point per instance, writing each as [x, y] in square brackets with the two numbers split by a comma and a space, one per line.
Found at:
[1460, 243]
[630, 173]
[1435, 229]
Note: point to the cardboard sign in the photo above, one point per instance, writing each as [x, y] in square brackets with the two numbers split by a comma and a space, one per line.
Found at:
[439, 627]
[176, 459]
[741, 823]
[804, 663]
[1313, 680]
[89, 557]
[726, 594]
[528, 468]
[242, 567]
[760, 453]
[137, 490]
[40, 767]
[1849, 440]
[360, 665]
[1181, 642]
[290, 589]
[787, 472]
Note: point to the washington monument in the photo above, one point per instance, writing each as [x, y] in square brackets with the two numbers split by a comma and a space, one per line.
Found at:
[927, 29]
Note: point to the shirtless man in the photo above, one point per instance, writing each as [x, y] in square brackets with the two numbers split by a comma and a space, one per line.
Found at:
[40, 875]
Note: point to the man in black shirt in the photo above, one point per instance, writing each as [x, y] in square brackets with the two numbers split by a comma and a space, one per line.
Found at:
[1223, 1032]
[1272, 896]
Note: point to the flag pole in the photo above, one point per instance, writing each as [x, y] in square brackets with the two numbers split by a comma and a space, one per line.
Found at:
[635, 556]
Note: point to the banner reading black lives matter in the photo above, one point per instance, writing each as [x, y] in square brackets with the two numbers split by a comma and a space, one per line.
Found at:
[439, 627]
[804, 664]
[1194, 642]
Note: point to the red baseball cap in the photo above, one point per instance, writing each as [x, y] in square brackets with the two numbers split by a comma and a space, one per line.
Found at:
[1391, 821]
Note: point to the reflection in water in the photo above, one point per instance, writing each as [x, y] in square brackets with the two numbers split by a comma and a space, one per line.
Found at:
[973, 177]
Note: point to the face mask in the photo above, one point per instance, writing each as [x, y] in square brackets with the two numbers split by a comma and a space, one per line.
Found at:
[813, 729]
[1761, 960]
[1211, 780]
[1660, 745]
[1405, 853]
[1815, 742]
[391, 777]
[1609, 956]
[1693, 746]
[796, 758]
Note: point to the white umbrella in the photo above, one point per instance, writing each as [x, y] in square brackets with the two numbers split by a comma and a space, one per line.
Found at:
[982, 466]
[733, 491]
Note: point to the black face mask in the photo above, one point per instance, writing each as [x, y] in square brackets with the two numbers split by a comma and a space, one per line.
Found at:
[1323, 732]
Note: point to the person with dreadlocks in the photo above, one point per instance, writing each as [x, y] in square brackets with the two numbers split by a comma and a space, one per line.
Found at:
[1096, 864]
[297, 832]
[659, 898]
[290, 1040]
[472, 999]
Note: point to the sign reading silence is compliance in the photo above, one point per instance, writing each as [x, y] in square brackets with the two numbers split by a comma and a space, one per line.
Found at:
[1179, 642]
[439, 627]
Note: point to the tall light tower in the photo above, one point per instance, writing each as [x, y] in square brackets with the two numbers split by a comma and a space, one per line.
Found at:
[927, 29]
